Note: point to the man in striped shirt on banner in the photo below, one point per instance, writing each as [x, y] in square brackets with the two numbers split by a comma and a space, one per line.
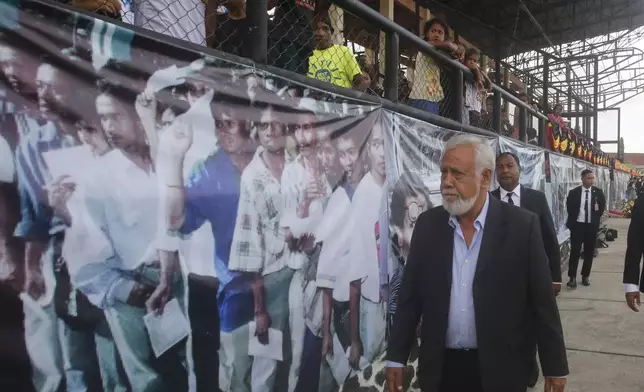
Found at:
[73, 355]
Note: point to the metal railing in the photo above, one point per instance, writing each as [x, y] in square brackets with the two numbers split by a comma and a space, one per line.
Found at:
[395, 31]
[284, 38]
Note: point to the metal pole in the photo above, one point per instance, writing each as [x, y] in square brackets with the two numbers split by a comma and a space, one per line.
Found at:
[496, 114]
[523, 121]
[596, 101]
[418, 17]
[619, 123]
[391, 66]
[542, 132]
[569, 94]
[457, 95]
[258, 38]
[546, 83]
[546, 77]
[588, 125]
[376, 54]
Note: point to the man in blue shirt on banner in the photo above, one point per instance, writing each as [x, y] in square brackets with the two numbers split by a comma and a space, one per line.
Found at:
[212, 195]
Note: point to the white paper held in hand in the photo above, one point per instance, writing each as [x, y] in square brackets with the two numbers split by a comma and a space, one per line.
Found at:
[362, 362]
[65, 162]
[7, 166]
[167, 329]
[272, 350]
[34, 308]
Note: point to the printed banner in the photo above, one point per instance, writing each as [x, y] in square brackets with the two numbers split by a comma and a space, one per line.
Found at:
[193, 224]
[618, 188]
[578, 167]
[562, 180]
[603, 182]
[207, 225]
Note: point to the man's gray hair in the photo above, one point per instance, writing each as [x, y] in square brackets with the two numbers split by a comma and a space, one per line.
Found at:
[485, 156]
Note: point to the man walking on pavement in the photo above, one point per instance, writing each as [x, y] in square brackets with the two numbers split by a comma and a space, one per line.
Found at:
[586, 205]
[508, 171]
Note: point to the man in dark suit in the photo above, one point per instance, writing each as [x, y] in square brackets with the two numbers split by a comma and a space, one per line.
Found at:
[633, 281]
[508, 171]
[586, 205]
[481, 280]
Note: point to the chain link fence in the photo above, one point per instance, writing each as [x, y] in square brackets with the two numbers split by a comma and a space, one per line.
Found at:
[320, 40]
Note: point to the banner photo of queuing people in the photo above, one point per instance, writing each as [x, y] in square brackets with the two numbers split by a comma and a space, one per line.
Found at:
[173, 221]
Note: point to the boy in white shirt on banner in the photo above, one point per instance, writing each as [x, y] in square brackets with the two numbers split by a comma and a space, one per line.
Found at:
[367, 308]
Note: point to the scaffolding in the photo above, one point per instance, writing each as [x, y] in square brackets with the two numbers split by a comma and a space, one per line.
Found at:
[575, 52]
[610, 59]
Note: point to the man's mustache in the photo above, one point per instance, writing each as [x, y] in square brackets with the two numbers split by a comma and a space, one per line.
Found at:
[449, 192]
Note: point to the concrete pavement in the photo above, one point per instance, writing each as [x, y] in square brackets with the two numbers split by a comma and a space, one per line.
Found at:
[605, 339]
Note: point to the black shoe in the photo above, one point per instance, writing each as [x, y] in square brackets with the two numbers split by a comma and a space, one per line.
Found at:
[572, 283]
[534, 376]
[585, 281]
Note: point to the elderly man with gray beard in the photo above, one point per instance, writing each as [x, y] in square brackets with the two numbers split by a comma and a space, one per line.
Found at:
[480, 291]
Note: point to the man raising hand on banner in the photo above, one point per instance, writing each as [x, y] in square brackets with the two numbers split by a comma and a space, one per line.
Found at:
[210, 195]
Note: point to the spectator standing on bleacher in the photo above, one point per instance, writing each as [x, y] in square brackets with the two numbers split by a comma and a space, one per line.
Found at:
[291, 40]
[507, 129]
[486, 114]
[555, 116]
[109, 8]
[232, 30]
[185, 19]
[426, 91]
[523, 96]
[404, 87]
[371, 70]
[335, 63]
[532, 136]
[475, 90]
